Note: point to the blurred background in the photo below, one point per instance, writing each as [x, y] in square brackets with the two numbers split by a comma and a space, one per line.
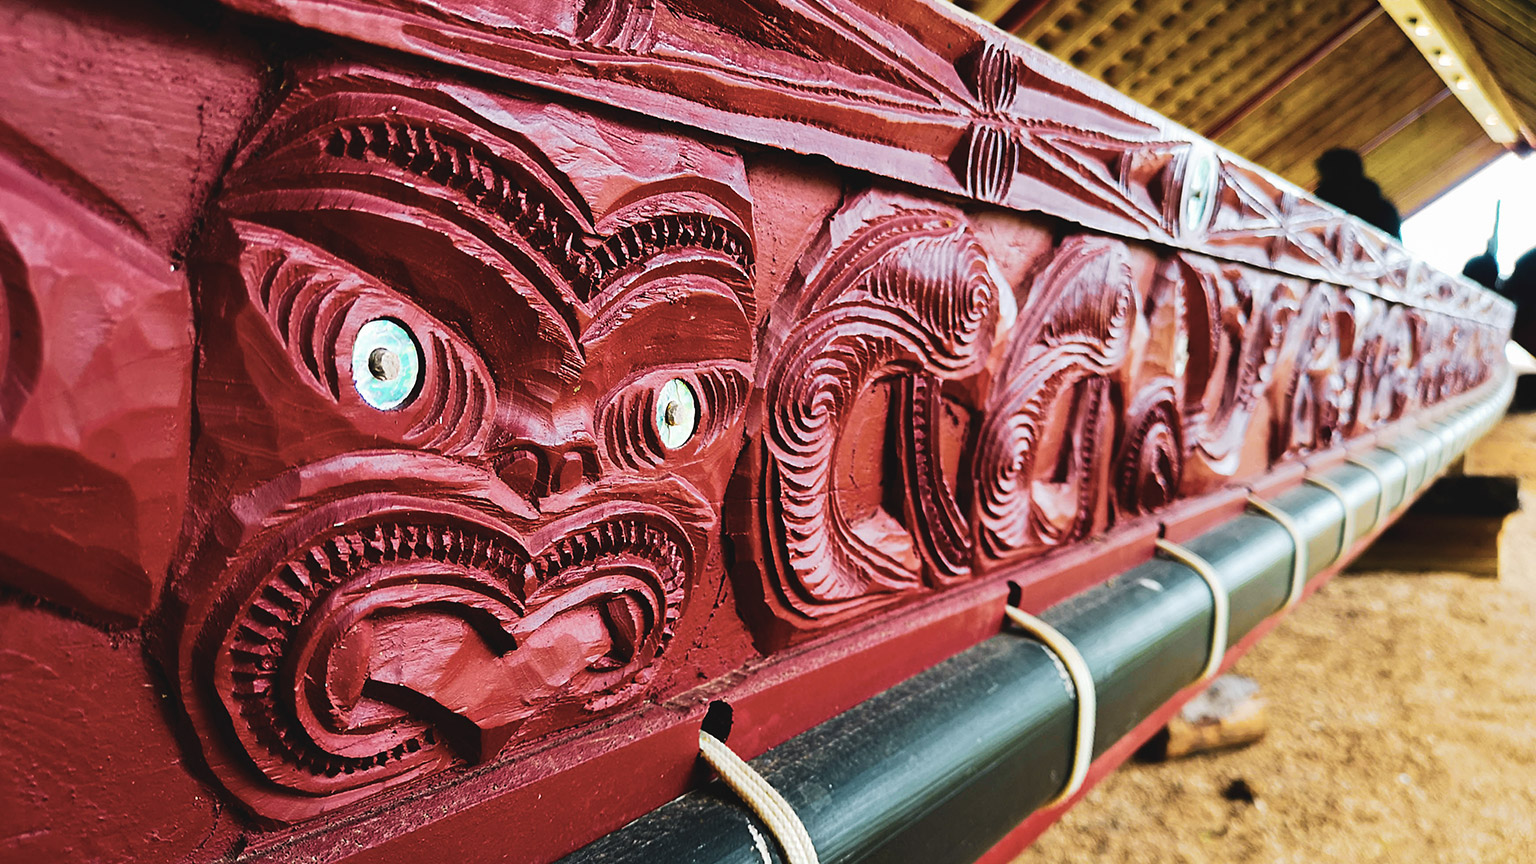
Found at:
[1430, 92]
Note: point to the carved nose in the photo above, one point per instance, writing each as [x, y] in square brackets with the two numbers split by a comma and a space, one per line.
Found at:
[541, 471]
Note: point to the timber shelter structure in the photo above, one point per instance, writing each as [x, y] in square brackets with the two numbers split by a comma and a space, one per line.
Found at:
[426, 424]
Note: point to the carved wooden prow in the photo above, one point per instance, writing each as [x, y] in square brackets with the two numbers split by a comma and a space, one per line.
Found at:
[511, 381]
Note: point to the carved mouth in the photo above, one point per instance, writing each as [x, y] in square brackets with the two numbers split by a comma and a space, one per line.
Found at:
[391, 645]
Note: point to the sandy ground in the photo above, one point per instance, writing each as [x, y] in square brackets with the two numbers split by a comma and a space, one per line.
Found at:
[1402, 712]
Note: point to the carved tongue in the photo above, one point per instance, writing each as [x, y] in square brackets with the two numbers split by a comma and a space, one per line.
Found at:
[441, 668]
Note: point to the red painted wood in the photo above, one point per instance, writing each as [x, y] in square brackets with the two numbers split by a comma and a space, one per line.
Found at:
[508, 409]
[95, 392]
[92, 770]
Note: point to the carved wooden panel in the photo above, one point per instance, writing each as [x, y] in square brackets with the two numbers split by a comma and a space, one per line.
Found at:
[459, 473]
[95, 350]
[489, 429]
[888, 318]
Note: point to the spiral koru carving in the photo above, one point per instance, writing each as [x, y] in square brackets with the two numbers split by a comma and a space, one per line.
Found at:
[1309, 399]
[1151, 461]
[903, 302]
[1043, 454]
[1383, 378]
[1249, 324]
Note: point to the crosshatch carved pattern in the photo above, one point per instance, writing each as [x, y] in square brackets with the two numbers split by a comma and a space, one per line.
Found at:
[510, 414]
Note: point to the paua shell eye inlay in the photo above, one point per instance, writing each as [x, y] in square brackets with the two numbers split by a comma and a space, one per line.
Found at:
[1201, 168]
[677, 413]
[386, 364]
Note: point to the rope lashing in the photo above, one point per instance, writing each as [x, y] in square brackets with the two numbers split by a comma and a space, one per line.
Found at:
[1337, 491]
[1404, 459]
[1381, 481]
[1082, 682]
[1298, 560]
[761, 798]
[1220, 604]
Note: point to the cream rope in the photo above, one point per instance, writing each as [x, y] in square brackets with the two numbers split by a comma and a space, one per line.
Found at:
[1399, 454]
[1220, 615]
[1337, 491]
[1298, 560]
[761, 798]
[1381, 481]
[1447, 436]
[1087, 698]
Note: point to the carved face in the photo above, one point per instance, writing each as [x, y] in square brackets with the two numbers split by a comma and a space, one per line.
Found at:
[464, 428]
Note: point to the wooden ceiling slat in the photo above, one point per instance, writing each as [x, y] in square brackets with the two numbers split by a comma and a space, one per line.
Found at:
[1050, 23]
[1174, 53]
[1344, 34]
[1429, 155]
[1504, 35]
[1096, 24]
[1379, 58]
[1206, 47]
[1128, 48]
[1237, 75]
[1350, 115]
[1190, 59]
[1199, 48]
[1513, 65]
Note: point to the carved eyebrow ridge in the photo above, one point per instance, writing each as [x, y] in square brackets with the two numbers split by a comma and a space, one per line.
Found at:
[650, 237]
[477, 174]
[482, 178]
[658, 233]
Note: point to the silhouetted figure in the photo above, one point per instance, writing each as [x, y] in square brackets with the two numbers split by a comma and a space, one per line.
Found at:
[1520, 287]
[1342, 183]
[1482, 269]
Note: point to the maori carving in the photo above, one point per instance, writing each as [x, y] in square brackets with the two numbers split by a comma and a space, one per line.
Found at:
[919, 93]
[988, 155]
[1383, 375]
[470, 421]
[892, 305]
[1151, 462]
[95, 371]
[1170, 378]
[367, 632]
[1042, 462]
[1308, 399]
[463, 446]
[1246, 324]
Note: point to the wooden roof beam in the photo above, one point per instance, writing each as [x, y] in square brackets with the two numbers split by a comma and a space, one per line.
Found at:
[1434, 29]
[1009, 15]
[1297, 69]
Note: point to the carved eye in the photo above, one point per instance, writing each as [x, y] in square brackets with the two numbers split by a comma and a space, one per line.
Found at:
[677, 413]
[386, 364]
[1201, 174]
[673, 414]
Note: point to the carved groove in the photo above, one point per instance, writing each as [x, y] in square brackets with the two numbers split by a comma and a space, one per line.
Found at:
[1059, 365]
[1151, 463]
[319, 716]
[492, 184]
[518, 200]
[907, 294]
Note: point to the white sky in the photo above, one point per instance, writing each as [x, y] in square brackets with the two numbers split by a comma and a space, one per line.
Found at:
[1455, 226]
